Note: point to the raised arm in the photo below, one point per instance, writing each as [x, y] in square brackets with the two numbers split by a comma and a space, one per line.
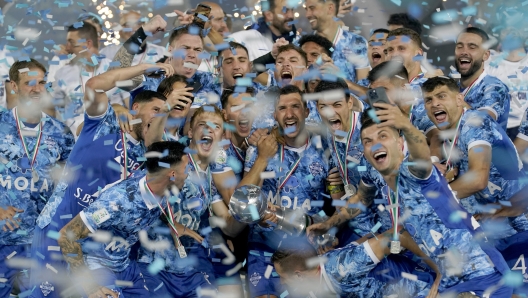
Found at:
[477, 176]
[70, 234]
[96, 100]
[125, 54]
[267, 147]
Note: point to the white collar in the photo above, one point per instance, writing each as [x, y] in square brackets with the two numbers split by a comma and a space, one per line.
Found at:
[23, 126]
[131, 139]
[149, 200]
[479, 79]
[324, 276]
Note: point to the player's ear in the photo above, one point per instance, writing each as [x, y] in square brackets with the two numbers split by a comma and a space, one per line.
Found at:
[135, 106]
[224, 114]
[14, 86]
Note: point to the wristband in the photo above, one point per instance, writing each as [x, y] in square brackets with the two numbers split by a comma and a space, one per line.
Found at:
[435, 159]
[133, 44]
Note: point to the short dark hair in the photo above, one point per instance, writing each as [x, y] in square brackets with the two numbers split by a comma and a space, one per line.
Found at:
[147, 96]
[224, 98]
[234, 45]
[367, 121]
[293, 254]
[380, 30]
[14, 73]
[172, 151]
[406, 32]
[290, 46]
[289, 89]
[388, 69]
[434, 82]
[318, 40]
[406, 21]
[339, 84]
[477, 31]
[86, 31]
[166, 86]
[179, 31]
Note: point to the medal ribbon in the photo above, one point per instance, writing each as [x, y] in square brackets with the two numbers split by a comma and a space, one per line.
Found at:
[24, 145]
[457, 133]
[209, 180]
[395, 210]
[294, 167]
[342, 165]
[418, 76]
[169, 216]
[336, 37]
[237, 153]
[468, 89]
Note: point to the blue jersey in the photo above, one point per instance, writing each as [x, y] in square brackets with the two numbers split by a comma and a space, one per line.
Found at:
[419, 118]
[490, 94]
[192, 210]
[426, 210]
[523, 129]
[123, 210]
[17, 187]
[206, 79]
[232, 157]
[506, 176]
[304, 189]
[96, 161]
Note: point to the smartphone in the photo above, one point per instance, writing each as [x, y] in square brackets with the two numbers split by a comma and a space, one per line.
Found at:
[377, 95]
[201, 15]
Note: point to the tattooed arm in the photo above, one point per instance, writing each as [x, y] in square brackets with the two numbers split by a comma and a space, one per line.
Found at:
[76, 230]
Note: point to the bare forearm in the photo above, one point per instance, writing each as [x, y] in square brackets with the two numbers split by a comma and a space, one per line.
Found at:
[109, 79]
[408, 242]
[125, 60]
[418, 151]
[253, 176]
[70, 248]
[233, 227]
[467, 185]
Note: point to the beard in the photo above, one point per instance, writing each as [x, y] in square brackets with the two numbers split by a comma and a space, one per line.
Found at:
[138, 129]
[471, 71]
[280, 24]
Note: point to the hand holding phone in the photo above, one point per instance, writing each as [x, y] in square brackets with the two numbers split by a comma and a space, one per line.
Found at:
[377, 95]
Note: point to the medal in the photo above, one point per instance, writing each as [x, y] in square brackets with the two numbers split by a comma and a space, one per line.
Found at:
[395, 247]
[28, 160]
[350, 189]
[182, 252]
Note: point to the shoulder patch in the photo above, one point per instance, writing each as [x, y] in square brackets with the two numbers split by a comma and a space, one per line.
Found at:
[100, 216]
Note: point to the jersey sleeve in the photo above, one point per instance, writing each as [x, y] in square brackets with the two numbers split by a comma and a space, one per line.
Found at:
[420, 120]
[220, 164]
[107, 120]
[478, 130]
[359, 47]
[496, 99]
[104, 212]
[251, 157]
[523, 128]
[67, 145]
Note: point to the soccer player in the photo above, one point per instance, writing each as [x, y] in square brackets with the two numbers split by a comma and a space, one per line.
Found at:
[481, 91]
[350, 49]
[276, 21]
[346, 272]
[122, 210]
[299, 183]
[416, 185]
[104, 155]
[491, 171]
[34, 146]
[199, 200]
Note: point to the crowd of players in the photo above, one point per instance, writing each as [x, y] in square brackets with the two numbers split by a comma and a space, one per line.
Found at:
[118, 163]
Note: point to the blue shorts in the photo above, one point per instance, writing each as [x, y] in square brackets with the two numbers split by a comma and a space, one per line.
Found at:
[258, 262]
[45, 251]
[390, 268]
[16, 277]
[185, 284]
[514, 249]
[107, 278]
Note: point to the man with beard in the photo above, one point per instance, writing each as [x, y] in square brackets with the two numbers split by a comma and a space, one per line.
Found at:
[299, 183]
[350, 50]
[188, 267]
[491, 170]
[124, 211]
[481, 91]
[34, 146]
[104, 155]
[275, 22]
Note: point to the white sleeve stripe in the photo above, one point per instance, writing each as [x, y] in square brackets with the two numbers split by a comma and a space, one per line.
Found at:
[522, 137]
[85, 220]
[489, 109]
[478, 143]
[224, 170]
[429, 129]
[370, 252]
[97, 117]
[247, 169]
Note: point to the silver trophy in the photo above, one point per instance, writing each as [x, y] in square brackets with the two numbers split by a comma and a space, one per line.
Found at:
[249, 205]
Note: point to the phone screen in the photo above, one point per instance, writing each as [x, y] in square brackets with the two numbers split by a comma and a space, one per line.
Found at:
[201, 15]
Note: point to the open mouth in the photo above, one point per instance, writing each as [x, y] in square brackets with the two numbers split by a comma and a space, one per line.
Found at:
[243, 124]
[380, 156]
[286, 77]
[206, 143]
[290, 126]
[179, 107]
[440, 116]
[237, 75]
[464, 63]
[376, 57]
[312, 20]
[335, 124]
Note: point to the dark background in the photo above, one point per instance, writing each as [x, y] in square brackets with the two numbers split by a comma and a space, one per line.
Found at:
[22, 16]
